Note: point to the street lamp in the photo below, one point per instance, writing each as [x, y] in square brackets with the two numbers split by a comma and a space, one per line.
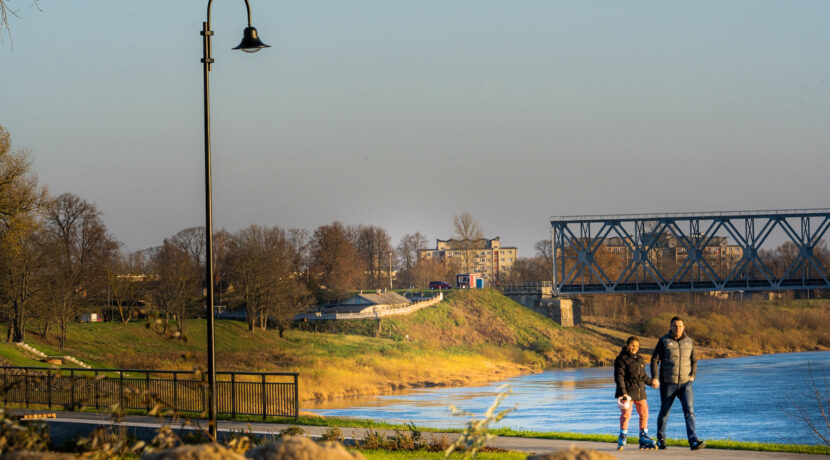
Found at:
[251, 44]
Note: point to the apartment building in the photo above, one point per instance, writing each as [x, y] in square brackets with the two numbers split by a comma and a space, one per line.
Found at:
[483, 256]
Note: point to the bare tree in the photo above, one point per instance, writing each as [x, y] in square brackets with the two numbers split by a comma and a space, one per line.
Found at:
[300, 240]
[407, 252]
[373, 245]
[544, 249]
[336, 266]
[20, 203]
[175, 283]
[812, 408]
[249, 265]
[5, 11]
[262, 265]
[127, 276]
[192, 241]
[80, 248]
[468, 232]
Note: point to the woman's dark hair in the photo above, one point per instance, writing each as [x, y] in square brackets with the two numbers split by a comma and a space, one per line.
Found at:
[628, 343]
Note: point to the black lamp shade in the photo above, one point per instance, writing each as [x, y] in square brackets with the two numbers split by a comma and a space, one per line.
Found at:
[250, 41]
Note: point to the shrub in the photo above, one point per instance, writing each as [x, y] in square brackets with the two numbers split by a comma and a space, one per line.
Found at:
[292, 430]
[332, 434]
[542, 346]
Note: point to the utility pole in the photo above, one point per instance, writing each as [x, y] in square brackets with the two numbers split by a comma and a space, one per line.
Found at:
[390, 270]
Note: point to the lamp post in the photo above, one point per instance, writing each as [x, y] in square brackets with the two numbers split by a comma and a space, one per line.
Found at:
[250, 44]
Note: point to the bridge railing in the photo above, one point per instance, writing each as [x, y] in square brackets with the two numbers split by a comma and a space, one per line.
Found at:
[266, 394]
[526, 287]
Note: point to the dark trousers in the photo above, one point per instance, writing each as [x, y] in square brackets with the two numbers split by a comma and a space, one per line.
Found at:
[686, 395]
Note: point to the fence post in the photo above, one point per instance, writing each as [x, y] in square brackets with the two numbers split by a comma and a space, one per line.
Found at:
[233, 394]
[49, 389]
[26, 379]
[147, 388]
[175, 392]
[95, 389]
[5, 386]
[296, 398]
[72, 388]
[121, 389]
[264, 401]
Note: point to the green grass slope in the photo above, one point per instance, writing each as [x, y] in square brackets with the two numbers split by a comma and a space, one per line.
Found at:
[471, 337]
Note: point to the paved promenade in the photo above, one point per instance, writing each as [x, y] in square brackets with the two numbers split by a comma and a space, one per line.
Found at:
[72, 423]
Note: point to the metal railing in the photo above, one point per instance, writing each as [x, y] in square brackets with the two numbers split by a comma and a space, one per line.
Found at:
[266, 394]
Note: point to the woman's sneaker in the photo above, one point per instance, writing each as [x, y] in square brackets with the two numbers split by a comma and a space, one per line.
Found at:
[661, 443]
[646, 442]
[697, 444]
[621, 442]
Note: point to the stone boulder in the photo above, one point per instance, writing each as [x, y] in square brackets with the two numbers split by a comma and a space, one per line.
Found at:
[207, 451]
[574, 453]
[301, 448]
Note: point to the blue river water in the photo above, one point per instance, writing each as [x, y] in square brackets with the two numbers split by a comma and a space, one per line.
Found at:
[753, 398]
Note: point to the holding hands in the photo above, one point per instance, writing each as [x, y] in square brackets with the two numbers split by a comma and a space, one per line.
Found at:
[655, 383]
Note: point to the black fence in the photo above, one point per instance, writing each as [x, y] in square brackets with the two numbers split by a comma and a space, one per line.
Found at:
[265, 394]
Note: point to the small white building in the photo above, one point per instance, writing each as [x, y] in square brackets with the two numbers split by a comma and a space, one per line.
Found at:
[90, 318]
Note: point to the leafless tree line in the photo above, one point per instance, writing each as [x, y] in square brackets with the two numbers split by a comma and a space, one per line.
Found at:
[59, 260]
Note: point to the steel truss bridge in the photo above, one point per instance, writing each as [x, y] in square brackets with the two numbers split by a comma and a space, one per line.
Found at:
[691, 252]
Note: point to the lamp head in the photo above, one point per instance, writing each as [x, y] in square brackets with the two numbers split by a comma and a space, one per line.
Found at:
[250, 41]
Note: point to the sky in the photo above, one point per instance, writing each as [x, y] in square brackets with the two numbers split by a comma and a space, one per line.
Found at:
[404, 114]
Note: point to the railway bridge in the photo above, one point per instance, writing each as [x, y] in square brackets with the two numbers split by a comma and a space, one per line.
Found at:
[691, 252]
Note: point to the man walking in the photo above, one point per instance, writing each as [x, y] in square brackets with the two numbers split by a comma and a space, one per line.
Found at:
[675, 353]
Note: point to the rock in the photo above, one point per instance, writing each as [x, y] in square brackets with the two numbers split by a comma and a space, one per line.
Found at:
[574, 453]
[195, 452]
[301, 448]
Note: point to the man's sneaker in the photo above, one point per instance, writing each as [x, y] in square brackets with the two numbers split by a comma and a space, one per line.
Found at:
[661, 443]
[697, 444]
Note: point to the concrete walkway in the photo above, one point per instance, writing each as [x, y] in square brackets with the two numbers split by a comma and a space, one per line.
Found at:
[68, 424]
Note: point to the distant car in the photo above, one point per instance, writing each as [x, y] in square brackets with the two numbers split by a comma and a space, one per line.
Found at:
[439, 285]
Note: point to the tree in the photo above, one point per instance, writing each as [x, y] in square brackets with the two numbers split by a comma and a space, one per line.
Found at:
[374, 246]
[20, 202]
[80, 250]
[5, 10]
[336, 266]
[468, 232]
[250, 261]
[262, 265]
[192, 241]
[175, 283]
[407, 252]
[127, 278]
[544, 249]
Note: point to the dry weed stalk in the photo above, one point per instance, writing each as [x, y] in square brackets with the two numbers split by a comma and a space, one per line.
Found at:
[475, 435]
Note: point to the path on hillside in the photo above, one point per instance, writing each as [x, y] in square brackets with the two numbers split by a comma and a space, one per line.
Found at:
[78, 422]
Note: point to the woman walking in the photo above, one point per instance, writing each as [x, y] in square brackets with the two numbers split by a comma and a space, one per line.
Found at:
[630, 376]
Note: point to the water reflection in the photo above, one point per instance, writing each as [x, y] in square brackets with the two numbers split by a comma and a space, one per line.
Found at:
[735, 398]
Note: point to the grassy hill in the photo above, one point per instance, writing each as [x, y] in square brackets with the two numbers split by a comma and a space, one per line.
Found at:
[471, 337]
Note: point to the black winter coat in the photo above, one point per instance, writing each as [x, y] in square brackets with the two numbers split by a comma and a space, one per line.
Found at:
[630, 375]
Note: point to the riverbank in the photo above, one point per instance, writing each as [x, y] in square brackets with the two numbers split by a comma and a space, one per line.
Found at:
[473, 337]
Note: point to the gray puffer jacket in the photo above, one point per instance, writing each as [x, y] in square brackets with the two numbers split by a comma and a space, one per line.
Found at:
[676, 358]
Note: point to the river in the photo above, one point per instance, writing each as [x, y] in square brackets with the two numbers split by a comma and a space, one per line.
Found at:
[742, 399]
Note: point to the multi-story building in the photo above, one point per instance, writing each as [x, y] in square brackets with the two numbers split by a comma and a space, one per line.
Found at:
[486, 257]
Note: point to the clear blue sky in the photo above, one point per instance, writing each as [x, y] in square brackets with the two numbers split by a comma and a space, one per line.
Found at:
[402, 114]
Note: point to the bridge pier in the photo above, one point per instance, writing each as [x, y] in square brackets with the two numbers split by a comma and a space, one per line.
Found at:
[567, 312]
